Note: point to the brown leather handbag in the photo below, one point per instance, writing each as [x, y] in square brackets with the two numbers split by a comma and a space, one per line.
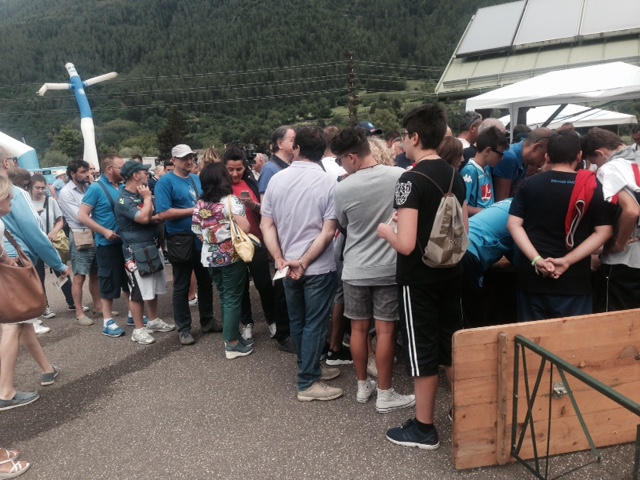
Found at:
[21, 294]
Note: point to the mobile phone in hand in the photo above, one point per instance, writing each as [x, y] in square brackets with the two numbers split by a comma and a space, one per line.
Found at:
[245, 194]
[60, 281]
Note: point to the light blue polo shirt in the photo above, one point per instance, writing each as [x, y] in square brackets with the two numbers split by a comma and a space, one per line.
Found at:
[102, 212]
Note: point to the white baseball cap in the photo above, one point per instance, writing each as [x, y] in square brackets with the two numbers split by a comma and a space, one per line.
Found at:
[182, 150]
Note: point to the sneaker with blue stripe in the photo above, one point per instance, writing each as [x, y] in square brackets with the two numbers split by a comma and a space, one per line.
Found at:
[111, 329]
[131, 323]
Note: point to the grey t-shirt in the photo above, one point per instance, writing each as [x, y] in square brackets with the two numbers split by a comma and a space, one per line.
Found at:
[363, 201]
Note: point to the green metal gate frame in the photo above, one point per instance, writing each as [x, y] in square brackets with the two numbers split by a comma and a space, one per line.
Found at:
[521, 345]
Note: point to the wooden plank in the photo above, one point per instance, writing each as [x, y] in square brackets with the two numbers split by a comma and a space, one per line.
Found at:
[502, 435]
[605, 346]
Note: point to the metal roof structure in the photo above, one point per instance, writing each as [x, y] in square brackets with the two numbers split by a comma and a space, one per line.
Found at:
[516, 41]
[578, 115]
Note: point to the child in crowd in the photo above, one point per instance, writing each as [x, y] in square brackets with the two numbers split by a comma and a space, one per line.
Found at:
[491, 145]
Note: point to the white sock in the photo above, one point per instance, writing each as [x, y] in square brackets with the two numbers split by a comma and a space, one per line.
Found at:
[105, 321]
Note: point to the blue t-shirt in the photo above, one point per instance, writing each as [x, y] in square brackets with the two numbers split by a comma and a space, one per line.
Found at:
[269, 170]
[489, 238]
[102, 212]
[511, 166]
[479, 185]
[173, 191]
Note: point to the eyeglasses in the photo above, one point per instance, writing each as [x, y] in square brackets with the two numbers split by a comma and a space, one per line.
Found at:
[494, 150]
[339, 159]
[13, 159]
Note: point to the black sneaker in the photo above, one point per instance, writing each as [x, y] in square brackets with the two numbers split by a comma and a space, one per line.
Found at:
[325, 350]
[409, 435]
[287, 346]
[341, 357]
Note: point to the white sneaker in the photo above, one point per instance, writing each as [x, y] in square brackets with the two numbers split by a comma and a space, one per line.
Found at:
[194, 302]
[48, 313]
[390, 400]
[247, 332]
[372, 368]
[272, 330]
[365, 390]
[40, 329]
[142, 336]
[159, 325]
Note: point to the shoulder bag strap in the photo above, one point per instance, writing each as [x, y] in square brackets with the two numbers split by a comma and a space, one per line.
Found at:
[46, 209]
[106, 192]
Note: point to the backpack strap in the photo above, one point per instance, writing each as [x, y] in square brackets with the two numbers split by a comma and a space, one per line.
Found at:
[453, 177]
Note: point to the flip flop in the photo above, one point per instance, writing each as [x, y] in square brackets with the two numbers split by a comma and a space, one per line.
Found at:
[18, 469]
[11, 455]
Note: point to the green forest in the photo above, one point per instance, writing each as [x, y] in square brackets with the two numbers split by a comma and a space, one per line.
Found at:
[211, 72]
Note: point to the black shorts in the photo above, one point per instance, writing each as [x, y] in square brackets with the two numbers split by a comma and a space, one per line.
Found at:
[429, 316]
[111, 273]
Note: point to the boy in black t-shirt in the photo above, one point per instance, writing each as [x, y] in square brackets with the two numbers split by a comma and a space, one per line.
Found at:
[429, 298]
[554, 276]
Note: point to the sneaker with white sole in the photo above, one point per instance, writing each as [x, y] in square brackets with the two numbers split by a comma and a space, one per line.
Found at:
[131, 323]
[194, 301]
[409, 435]
[365, 390]
[48, 313]
[84, 308]
[319, 391]
[49, 378]
[247, 332]
[329, 373]
[159, 325]
[341, 357]
[272, 329]
[111, 329]
[40, 329]
[237, 350]
[142, 336]
[390, 400]
[372, 368]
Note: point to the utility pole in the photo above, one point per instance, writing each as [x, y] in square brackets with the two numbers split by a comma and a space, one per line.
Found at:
[353, 93]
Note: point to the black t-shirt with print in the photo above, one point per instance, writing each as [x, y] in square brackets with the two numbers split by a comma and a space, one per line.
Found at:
[415, 191]
[542, 202]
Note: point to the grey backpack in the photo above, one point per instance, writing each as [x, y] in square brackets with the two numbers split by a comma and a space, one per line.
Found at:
[448, 240]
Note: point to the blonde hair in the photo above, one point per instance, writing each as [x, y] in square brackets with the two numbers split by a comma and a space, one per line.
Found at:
[5, 187]
[381, 152]
[210, 155]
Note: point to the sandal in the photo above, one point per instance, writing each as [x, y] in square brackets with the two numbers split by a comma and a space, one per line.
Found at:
[10, 454]
[18, 469]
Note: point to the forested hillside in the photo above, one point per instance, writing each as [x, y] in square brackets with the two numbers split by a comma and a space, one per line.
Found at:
[233, 69]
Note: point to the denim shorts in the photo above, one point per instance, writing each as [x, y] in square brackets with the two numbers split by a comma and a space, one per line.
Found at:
[83, 262]
[111, 271]
[364, 303]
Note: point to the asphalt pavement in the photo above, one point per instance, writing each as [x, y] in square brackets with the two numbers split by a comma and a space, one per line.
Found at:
[120, 410]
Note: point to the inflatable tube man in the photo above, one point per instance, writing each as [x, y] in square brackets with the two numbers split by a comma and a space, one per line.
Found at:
[86, 119]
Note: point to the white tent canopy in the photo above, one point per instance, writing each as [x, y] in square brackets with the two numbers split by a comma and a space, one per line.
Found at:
[597, 83]
[579, 115]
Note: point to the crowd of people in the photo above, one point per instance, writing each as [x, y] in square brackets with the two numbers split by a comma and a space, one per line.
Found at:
[344, 216]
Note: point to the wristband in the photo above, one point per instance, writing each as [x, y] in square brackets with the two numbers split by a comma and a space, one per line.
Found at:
[535, 260]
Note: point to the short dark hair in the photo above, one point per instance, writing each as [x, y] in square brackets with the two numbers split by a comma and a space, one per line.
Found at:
[351, 140]
[76, 165]
[278, 134]
[599, 138]
[168, 163]
[216, 182]
[492, 138]
[137, 158]
[311, 142]
[429, 122]
[233, 152]
[468, 119]
[21, 178]
[563, 147]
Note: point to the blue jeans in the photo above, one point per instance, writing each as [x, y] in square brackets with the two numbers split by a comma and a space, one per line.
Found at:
[309, 301]
[230, 281]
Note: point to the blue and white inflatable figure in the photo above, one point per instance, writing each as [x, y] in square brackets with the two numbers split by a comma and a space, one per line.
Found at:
[86, 119]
